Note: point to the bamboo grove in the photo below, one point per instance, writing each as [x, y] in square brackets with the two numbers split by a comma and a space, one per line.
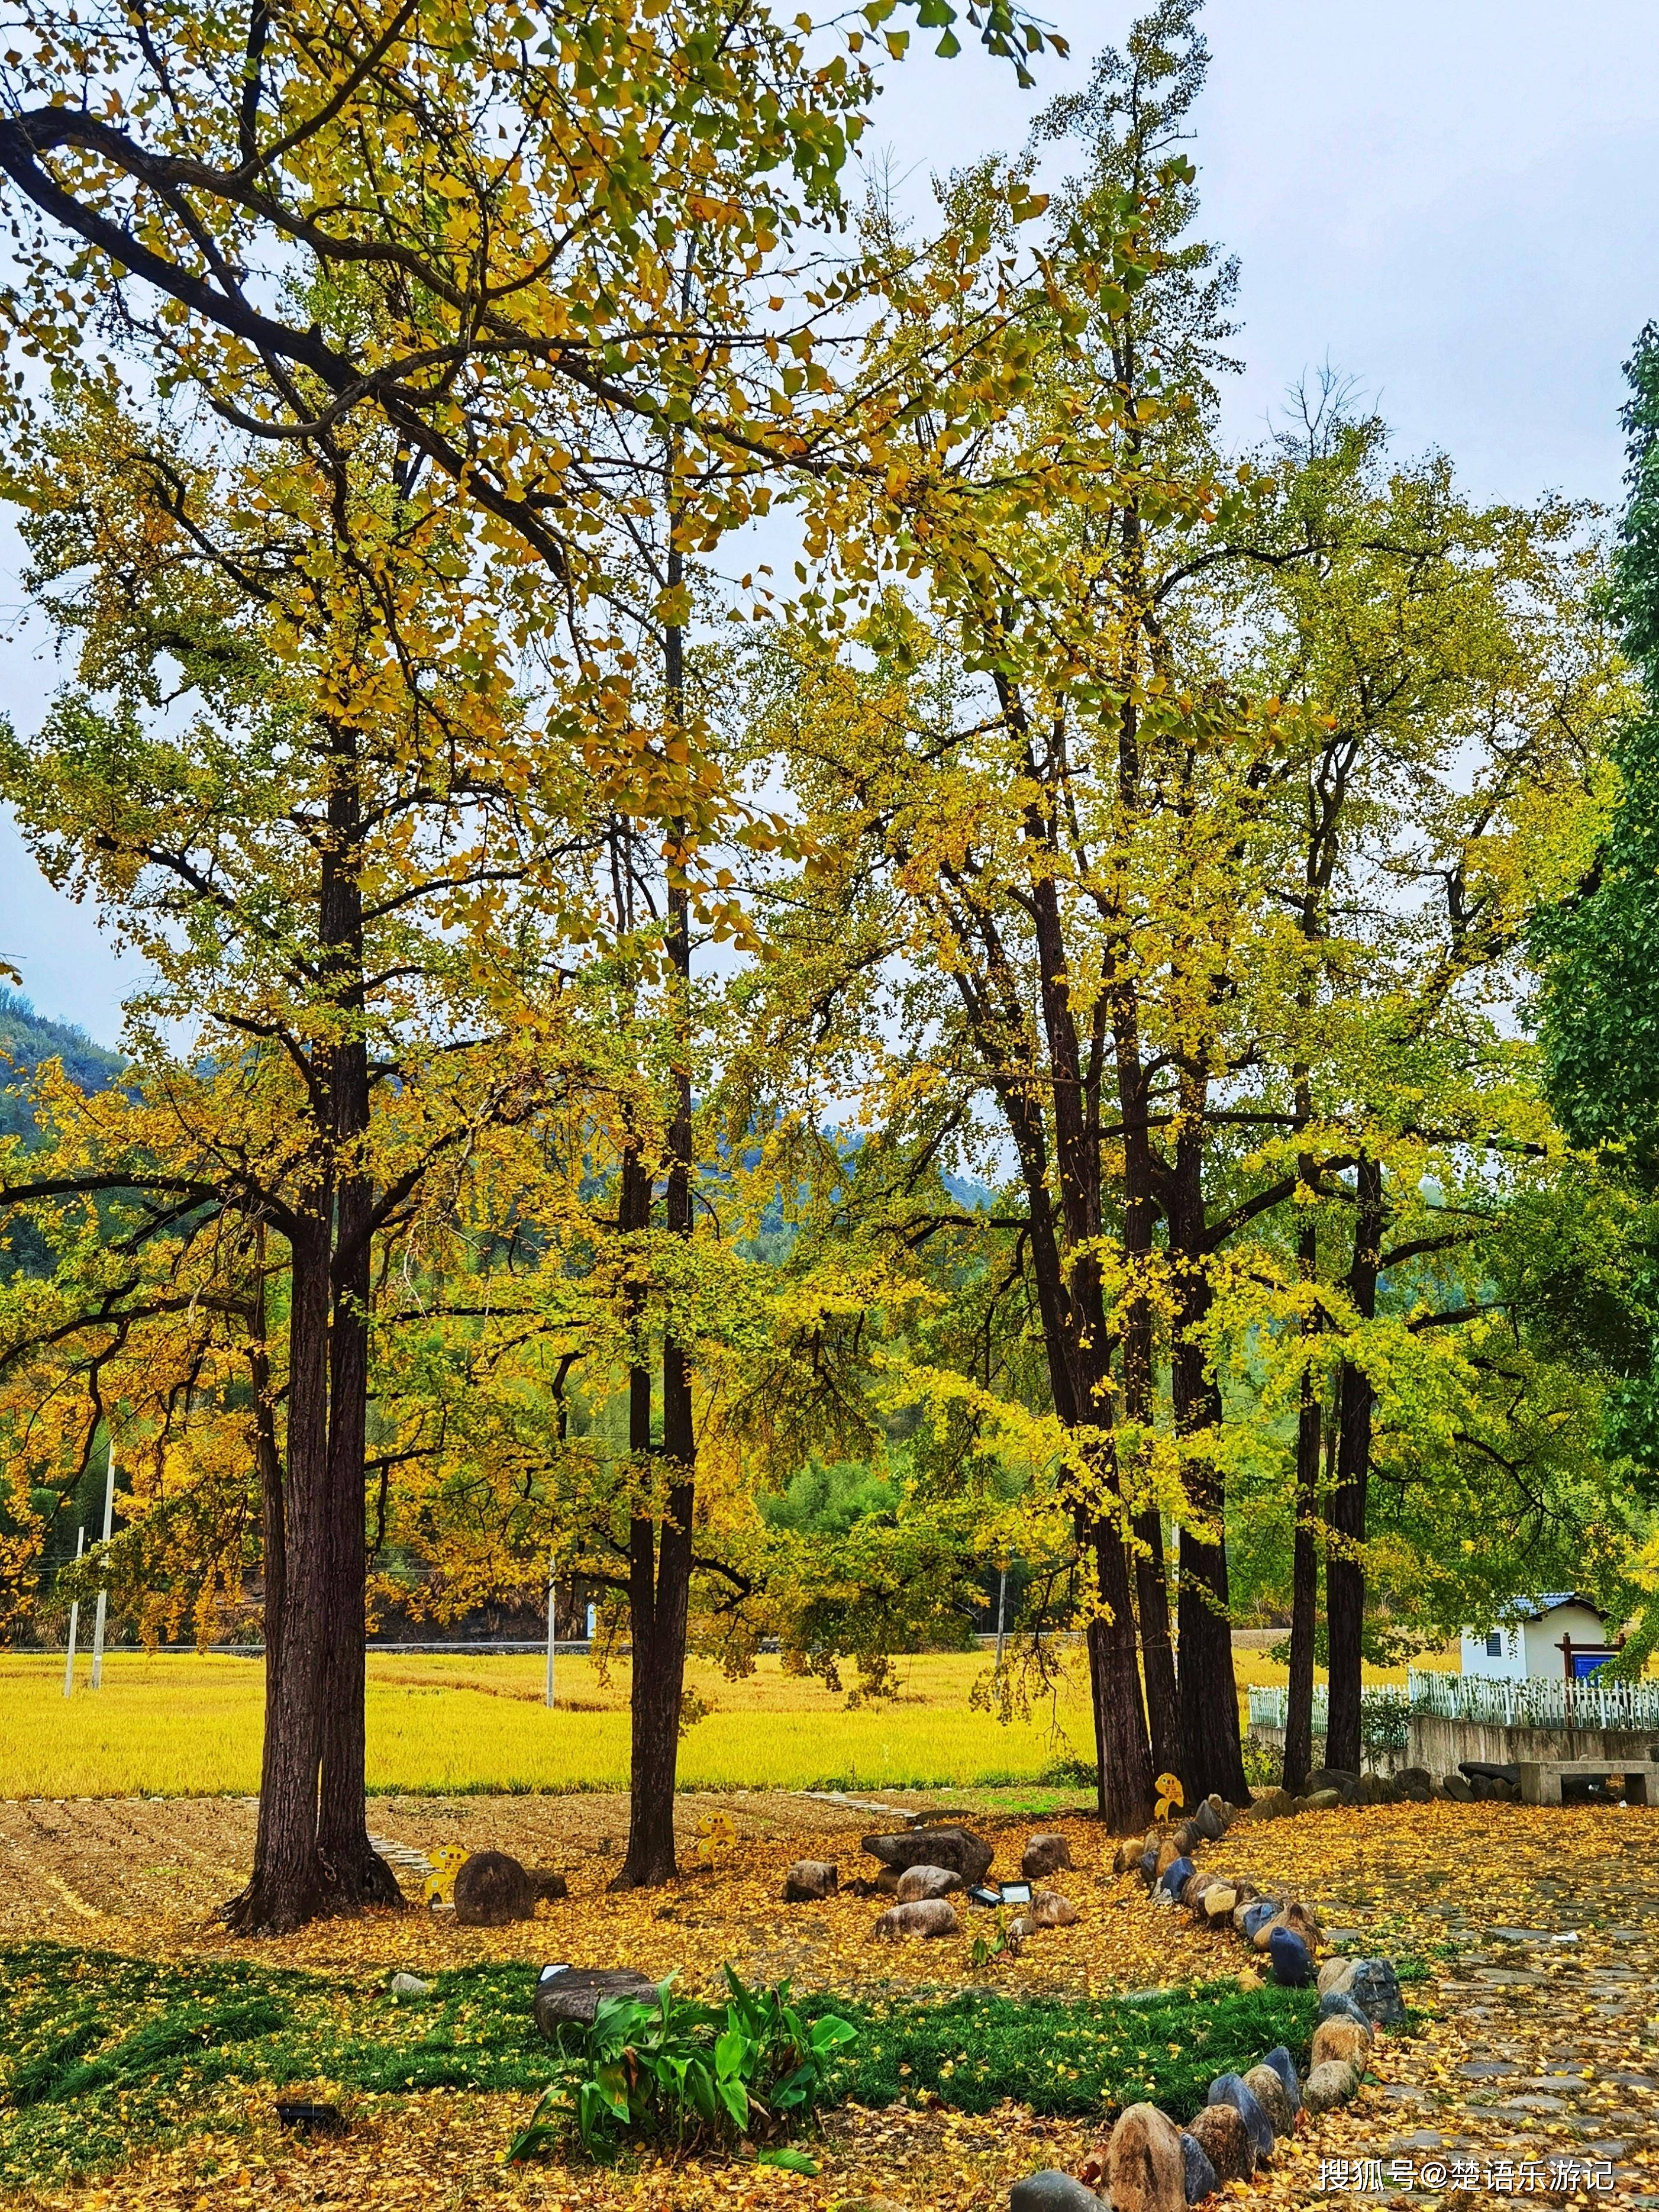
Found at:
[1036, 1010]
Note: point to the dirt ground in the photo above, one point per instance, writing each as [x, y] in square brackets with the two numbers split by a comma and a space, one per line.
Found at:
[1540, 2059]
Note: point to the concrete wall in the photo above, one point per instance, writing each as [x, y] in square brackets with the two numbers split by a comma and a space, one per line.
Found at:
[1443, 1746]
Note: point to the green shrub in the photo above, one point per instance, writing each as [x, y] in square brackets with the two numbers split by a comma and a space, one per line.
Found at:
[668, 2070]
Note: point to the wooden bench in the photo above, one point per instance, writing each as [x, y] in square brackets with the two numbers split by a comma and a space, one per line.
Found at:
[1541, 1779]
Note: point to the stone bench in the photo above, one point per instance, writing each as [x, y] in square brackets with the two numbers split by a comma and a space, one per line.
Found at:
[1541, 1779]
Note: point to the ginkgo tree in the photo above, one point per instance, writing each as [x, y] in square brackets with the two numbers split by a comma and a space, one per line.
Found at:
[312, 851]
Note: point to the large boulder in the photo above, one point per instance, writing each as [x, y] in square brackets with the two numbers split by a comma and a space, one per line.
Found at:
[1200, 2177]
[1052, 2191]
[1459, 1789]
[959, 1849]
[568, 1996]
[1335, 1975]
[1489, 1770]
[1170, 1854]
[1043, 1856]
[1265, 2086]
[1344, 2041]
[1230, 2090]
[1415, 1784]
[1339, 2005]
[1261, 1912]
[1221, 2135]
[1210, 1820]
[1327, 2085]
[1144, 2169]
[926, 1881]
[492, 1889]
[1048, 1909]
[809, 1881]
[1219, 1903]
[925, 1916]
[1375, 1989]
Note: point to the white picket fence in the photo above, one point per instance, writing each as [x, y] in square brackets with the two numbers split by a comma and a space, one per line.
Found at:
[1538, 1702]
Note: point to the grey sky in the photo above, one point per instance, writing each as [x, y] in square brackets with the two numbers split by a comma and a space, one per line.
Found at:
[1454, 200]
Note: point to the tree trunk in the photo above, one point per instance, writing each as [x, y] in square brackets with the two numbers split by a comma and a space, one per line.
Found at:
[1344, 1572]
[1157, 1652]
[1304, 1547]
[1123, 1760]
[1304, 1589]
[273, 1548]
[357, 1873]
[288, 1882]
[1212, 1754]
[660, 1588]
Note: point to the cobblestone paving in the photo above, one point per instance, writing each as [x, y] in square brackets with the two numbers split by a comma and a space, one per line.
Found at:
[1541, 1930]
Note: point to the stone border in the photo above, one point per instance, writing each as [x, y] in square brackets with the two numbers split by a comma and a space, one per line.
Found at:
[1148, 2164]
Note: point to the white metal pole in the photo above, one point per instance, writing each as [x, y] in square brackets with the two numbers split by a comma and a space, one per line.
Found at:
[1002, 1600]
[552, 1629]
[103, 1594]
[74, 1618]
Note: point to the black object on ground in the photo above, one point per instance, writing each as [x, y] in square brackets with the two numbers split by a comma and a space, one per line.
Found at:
[310, 2119]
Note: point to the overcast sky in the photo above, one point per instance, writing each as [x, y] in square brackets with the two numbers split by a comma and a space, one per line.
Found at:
[1452, 200]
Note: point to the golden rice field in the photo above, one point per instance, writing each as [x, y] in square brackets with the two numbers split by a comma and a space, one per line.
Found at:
[186, 1724]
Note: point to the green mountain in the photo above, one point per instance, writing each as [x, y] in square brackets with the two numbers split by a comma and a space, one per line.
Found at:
[26, 1039]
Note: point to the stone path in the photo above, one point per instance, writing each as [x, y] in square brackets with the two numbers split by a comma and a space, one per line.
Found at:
[1541, 1927]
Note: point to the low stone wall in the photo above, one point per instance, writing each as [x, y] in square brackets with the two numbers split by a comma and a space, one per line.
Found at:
[1441, 1745]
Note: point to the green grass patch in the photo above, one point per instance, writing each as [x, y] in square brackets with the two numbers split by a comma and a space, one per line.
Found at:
[101, 2054]
[1067, 2056]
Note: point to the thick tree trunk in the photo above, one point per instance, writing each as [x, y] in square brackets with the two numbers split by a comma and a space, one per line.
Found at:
[1345, 1570]
[357, 1874]
[1212, 1754]
[288, 1884]
[1123, 1760]
[660, 1562]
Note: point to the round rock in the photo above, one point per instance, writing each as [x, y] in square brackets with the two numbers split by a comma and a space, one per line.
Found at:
[1230, 2089]
[1225, 2140]
[1329, 2086]
[1051, 2191]
[917, 1881]
[1044, 1855]
[1344, 2041]
[809, 1879]
[1146, 2170]
[1265, 2086]
[924, 1915]
[1291, 1959]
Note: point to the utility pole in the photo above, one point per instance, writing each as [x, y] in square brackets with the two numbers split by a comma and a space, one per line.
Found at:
[103, 1594]
[75, 1620]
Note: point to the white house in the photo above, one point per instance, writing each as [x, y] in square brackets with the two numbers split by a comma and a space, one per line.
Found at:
[1561, 1635]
